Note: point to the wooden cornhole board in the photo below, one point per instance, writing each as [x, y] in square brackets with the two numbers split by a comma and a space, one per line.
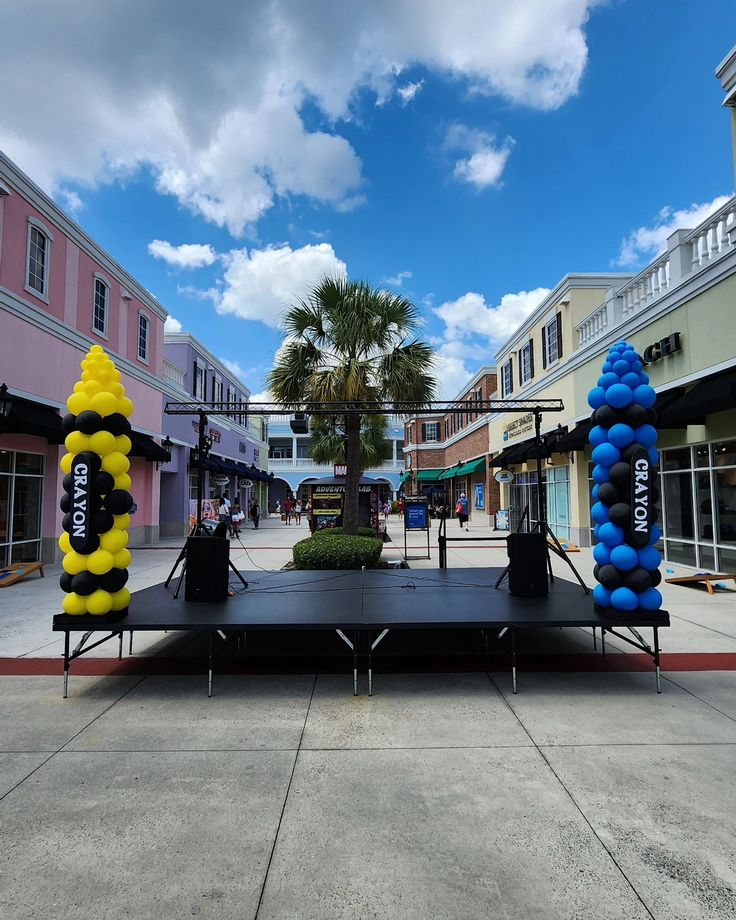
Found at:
[567, 546]
[705, 578]
[17, 571]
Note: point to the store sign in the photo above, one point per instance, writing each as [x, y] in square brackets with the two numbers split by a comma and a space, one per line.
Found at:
[664, 347]
[504, 476]
[416, 516]
[242, 447]
[641, 497]
[519, 426]
[81, 535]
[340, 469]
[337, 488]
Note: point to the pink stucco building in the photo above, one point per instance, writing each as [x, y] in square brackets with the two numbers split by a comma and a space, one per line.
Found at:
[59, 294]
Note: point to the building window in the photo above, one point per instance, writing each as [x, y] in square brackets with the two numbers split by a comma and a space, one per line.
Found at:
[552, 341]
[507, 381]
[21, 501]
[216, 390]
[143, 329]
[430, 431]
[99, 310]
[526, 363]
[199, 381]
[39, 249]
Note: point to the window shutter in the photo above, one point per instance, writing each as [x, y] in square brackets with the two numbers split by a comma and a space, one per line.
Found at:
[559, 335]
[424, 432]
[521, 361]
[531, 358]
[194, 384]
[544, 346]
[511, 377]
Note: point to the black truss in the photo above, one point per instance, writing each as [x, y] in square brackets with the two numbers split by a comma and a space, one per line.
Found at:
[434, 407]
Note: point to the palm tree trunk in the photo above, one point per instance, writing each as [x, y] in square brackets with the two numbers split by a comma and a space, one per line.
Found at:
[352, 477]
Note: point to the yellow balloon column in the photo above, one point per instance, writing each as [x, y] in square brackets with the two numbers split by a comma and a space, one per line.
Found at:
[97, 495]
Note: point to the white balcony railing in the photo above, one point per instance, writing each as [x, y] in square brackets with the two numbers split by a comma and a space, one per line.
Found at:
[173, 373]
[647, 286]
[595, 324]
[304, 463]
[714, 237]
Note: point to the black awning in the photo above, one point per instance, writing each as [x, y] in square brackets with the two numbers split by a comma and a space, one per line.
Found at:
[576, 439]
[144, 446]
[32, 418]
[511, 454]
[690, 407]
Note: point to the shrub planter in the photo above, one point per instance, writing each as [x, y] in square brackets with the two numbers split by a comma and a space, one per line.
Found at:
[338, 551]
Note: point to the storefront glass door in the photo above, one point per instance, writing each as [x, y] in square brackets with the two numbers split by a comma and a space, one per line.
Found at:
[21, 494]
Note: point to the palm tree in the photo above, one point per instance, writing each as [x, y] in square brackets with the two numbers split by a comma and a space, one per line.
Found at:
[328, 440]
[349, 342]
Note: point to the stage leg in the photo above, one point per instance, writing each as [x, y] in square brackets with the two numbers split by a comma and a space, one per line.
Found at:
[595, 644]
[513, 659]
[211, 656]
[371, 647]
[130, 644]
[120, 647]
[66, 664]
[356, 634]
[603, 641]
[656, 659]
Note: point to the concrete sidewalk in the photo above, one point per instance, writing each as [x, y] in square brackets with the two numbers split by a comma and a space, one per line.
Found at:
[443, 795]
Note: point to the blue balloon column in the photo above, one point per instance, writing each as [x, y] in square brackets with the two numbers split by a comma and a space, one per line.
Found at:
[623, 437]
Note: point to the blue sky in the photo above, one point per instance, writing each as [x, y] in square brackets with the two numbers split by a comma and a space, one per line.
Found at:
[468, 158]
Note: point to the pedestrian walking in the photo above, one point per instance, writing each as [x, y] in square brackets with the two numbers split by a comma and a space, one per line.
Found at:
[463, 511]
[298, 511]
[287, 511]
[255, 513]
[223, 513]
[400, 506]
[236, 516]
[310, 516]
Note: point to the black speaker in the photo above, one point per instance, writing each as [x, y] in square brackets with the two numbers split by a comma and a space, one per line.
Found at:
[528, 564]
[207, 569]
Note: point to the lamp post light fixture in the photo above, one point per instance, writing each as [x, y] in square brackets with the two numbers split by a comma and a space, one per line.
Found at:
[6, 401]
[167, 444]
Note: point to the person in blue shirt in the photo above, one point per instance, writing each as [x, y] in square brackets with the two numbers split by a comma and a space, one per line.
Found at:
[463, 511]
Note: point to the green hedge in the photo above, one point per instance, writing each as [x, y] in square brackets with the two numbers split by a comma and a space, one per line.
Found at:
[338, 531]
[339, 552]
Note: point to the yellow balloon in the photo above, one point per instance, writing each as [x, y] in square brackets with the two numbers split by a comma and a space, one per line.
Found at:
[96, 350]
[65, 463]
[123, 444]
[116, 375]
[92, 387]
[75, 442]
[100, 561]
[104, 403]
[114, 540]
[125, 406]
[124, 482]
[115, 463]
[64, 544]
[122, 521]
[99, 602]
[79, 386]
[74, 563]
[102, 443]
[121, 599]
[78, 402]
[104, 377]
[117, 389]
[122, 559]
[74, 605]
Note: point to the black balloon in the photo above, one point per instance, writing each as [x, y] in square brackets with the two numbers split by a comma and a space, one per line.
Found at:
[638, 579]
[628, 452]
[620, 475]
[119, 501]
[85, 583]
[69, 423]
[117, 424]
[67, 482]
[65, 502]
[103, 483]
[114, 580]
[596, 570]
[66, 523]
[609, 494]
[652, 416]
[610, 577]
[102, 521]
[65, 582]
[634, 415]
[656, 577]
[620, 514]
[605, 416]
[89, 422]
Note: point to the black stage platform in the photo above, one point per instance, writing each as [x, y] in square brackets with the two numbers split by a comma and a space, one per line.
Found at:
[362, 607]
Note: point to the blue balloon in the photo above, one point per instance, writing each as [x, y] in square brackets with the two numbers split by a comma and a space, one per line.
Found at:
[622, 345]
[597, 398]
[621, 435]
[650, 599]
[644, 395]
[629, 356]
[630, 380]
[643, 378]
[606, 455]
[611, 534]
[619, 396]
[607, 366]
[597, 435]
[653, 456]
[655, 536]
[601, 554]
[646, 435]
[637, 366]
[624, 599]
[649, 557]
[624, 557]
[594, 493]
[602, 596]
[600, 475]
[621, 367]
[607, 380]
[599, 513]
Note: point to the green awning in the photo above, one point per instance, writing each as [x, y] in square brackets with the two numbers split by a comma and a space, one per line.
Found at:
[474, 466]
[428, 475]
[449, 472]
[405, 475]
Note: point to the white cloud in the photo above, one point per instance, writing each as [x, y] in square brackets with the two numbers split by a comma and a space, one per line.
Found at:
[172, 324]
[647, 242]
[409, 91]
[211, 104]
[187, 255]
[399, 279]
[259, 283]
[234, 368]
[470, 315]
[70, 200]
[487, 156]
